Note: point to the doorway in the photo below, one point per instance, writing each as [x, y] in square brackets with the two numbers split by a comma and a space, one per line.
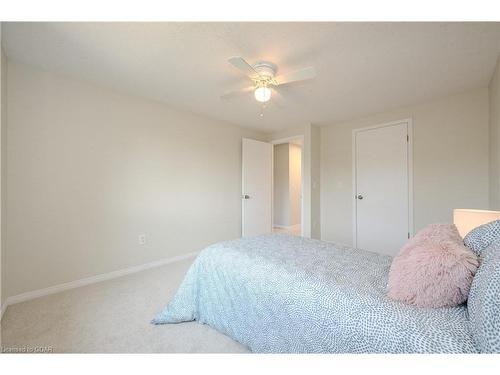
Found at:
[287, 186]
[382, 187]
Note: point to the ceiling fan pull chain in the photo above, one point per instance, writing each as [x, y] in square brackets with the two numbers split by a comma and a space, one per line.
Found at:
[262, 108]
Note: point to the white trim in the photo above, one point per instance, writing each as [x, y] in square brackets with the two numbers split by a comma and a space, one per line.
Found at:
[287, 140]
[272, 187]
[409, 124]
[281, 226]
[242, 206]
[2, 310]
[353, 195]
[92, 280]
[410, 177]
[288, 227]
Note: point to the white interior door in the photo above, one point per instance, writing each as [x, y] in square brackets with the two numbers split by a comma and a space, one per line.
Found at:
[257, 182]
[382, 189]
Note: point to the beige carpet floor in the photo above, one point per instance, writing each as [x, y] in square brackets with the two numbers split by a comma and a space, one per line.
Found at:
[112, 317]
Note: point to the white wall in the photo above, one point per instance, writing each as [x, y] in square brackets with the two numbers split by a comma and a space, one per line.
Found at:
[450, 161]
[89, 170]
[281, 175]
[494, 91]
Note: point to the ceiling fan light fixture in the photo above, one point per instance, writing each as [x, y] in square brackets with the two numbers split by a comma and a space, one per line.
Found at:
[264, 79]
[262, 94]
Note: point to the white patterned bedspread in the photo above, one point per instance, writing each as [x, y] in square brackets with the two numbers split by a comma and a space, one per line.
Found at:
[280, 293]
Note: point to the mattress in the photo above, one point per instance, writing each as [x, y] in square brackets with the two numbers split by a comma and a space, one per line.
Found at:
[278, 293]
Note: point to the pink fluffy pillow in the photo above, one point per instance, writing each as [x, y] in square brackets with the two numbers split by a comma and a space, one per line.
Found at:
[433, 269]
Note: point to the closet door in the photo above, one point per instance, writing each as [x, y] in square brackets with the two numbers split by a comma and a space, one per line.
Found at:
[382, 188]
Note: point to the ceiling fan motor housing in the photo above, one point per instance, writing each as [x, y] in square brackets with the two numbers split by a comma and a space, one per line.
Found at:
[265, 69]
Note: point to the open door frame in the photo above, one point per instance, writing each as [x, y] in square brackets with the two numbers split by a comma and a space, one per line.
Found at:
[288, 140]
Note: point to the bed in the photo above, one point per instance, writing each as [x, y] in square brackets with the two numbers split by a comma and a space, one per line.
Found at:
[278, 293]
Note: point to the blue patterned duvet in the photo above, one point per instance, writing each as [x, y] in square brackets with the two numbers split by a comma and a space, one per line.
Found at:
[278, 293]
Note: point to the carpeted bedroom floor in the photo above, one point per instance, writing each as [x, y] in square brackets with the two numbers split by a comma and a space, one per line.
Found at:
[112, 316]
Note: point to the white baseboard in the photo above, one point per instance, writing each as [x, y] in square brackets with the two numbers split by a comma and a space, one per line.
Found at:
[289, 227]
[2, 310]
[280, 226]
[90, 280]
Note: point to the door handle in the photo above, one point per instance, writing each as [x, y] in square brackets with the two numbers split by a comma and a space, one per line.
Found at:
[359, 196]
[245, 196]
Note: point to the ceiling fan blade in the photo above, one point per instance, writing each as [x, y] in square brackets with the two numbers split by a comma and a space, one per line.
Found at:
[277, 99]
[233, 94]
[241, 64]
[298, 75]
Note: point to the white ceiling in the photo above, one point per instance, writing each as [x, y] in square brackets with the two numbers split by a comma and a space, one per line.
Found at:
[361, 67]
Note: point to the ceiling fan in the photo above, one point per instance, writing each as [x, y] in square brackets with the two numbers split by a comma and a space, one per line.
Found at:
[264, 79]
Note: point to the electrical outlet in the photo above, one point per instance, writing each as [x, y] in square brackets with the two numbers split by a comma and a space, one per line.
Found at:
[142, 239]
